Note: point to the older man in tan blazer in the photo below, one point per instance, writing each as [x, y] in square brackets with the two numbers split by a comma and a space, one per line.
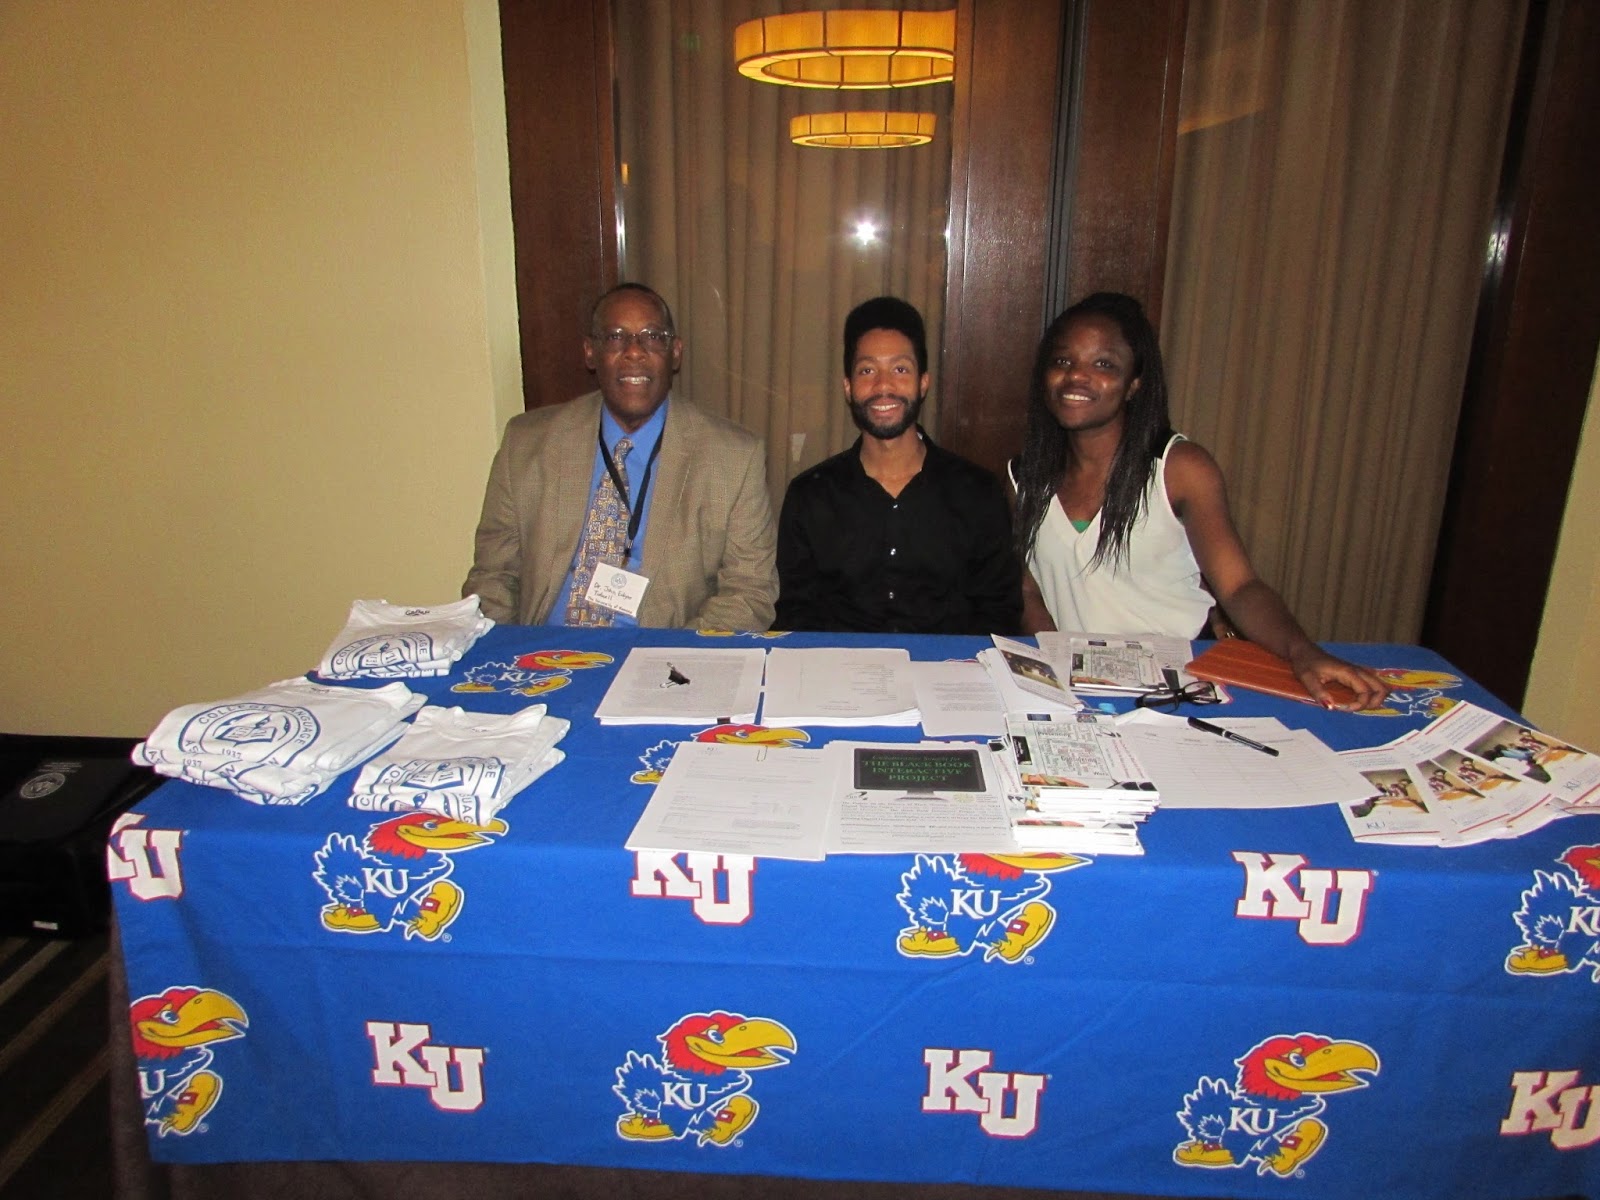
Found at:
[706, 530]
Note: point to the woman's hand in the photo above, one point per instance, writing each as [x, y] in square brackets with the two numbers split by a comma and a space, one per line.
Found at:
[1316, 668]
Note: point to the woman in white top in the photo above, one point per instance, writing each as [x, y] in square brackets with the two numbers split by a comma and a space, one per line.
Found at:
[1123, 524]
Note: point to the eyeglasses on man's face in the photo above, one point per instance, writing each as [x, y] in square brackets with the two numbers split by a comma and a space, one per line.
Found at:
[651, 341]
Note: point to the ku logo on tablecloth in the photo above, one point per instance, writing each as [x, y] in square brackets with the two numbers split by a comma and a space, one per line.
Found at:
[1271, 1115]
[404, 1055]
[718, 886]
[656, 758]
[532, 674]
[1414, 693]
[398, 876]
[1560, 919]
[1271, 892]
[145, 859]
[957, 904]
[1554, 1102]
[700, 1086]
[959, 1081]
[173, 1035]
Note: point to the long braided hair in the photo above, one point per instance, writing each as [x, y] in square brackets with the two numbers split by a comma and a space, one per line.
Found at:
[1039, 469]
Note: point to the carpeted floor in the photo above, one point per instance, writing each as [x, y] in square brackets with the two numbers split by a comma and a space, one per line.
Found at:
[54, 1099]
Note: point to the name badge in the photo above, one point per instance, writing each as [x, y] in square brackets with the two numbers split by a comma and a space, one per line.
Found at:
[616, 589]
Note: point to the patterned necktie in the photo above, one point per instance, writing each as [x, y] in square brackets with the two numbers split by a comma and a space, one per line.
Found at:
[605, 540]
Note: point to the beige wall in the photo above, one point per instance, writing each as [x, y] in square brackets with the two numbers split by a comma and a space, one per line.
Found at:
[1562, 696]
[257, 336]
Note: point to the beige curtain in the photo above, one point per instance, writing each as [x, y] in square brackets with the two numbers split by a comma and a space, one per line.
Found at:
[751, 238]
[1336, 166]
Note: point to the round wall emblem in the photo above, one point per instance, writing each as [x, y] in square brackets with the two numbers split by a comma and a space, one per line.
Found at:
[41, 786]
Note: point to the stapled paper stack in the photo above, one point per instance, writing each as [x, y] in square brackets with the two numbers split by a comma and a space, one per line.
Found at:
[281, 744]
[462, 765]
[843, 687]
[1081, 787]
[679, 685]
[391, 641]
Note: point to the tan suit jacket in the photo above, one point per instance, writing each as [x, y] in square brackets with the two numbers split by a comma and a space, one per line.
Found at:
[708, 549]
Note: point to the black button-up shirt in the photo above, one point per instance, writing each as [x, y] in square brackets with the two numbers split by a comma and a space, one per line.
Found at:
[935, 559]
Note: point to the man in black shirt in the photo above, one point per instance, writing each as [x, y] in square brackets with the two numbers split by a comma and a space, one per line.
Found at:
[895, 535]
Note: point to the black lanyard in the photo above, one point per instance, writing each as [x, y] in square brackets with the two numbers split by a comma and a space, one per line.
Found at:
[636, 509]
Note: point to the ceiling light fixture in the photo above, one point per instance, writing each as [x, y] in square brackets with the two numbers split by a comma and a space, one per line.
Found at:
[862, 130]
[848, 49]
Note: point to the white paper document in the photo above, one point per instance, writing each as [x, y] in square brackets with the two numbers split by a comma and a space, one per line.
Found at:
[764, 801]
[1102, 663]
[1571, 775]
[1477, 799]
[1196, 769]
[902, 798]
[674, 685]
[957, 699]
[863, 686]
[1470, 776]
[1033, 672]
[1015, 699]
[1399, 809]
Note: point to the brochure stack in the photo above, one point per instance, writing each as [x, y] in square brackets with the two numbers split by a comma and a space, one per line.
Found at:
[1079, 786]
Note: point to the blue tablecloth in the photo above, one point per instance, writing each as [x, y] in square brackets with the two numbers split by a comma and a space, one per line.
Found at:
[1256, 1007]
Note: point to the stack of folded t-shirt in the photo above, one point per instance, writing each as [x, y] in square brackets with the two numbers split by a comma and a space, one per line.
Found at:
[391, 641]
[281, 744]
[464, 765]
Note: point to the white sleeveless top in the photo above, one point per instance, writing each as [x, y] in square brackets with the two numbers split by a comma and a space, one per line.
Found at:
[1157, 590]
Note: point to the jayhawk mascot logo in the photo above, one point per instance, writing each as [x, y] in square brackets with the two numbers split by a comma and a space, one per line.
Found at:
[172, 1038]
[398, 875]
[1271, 1114]
[1415, 694]
[991, 900]
[533, 674]
[656, 758]
[700, 1086]
[1560, 919]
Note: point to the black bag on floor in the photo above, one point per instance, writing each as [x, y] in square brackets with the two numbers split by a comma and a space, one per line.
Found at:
[58, 799]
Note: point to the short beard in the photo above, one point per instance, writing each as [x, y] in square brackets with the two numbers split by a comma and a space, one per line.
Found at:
[858, 414]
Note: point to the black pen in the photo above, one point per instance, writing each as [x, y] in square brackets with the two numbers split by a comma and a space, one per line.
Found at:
[1208, 727]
